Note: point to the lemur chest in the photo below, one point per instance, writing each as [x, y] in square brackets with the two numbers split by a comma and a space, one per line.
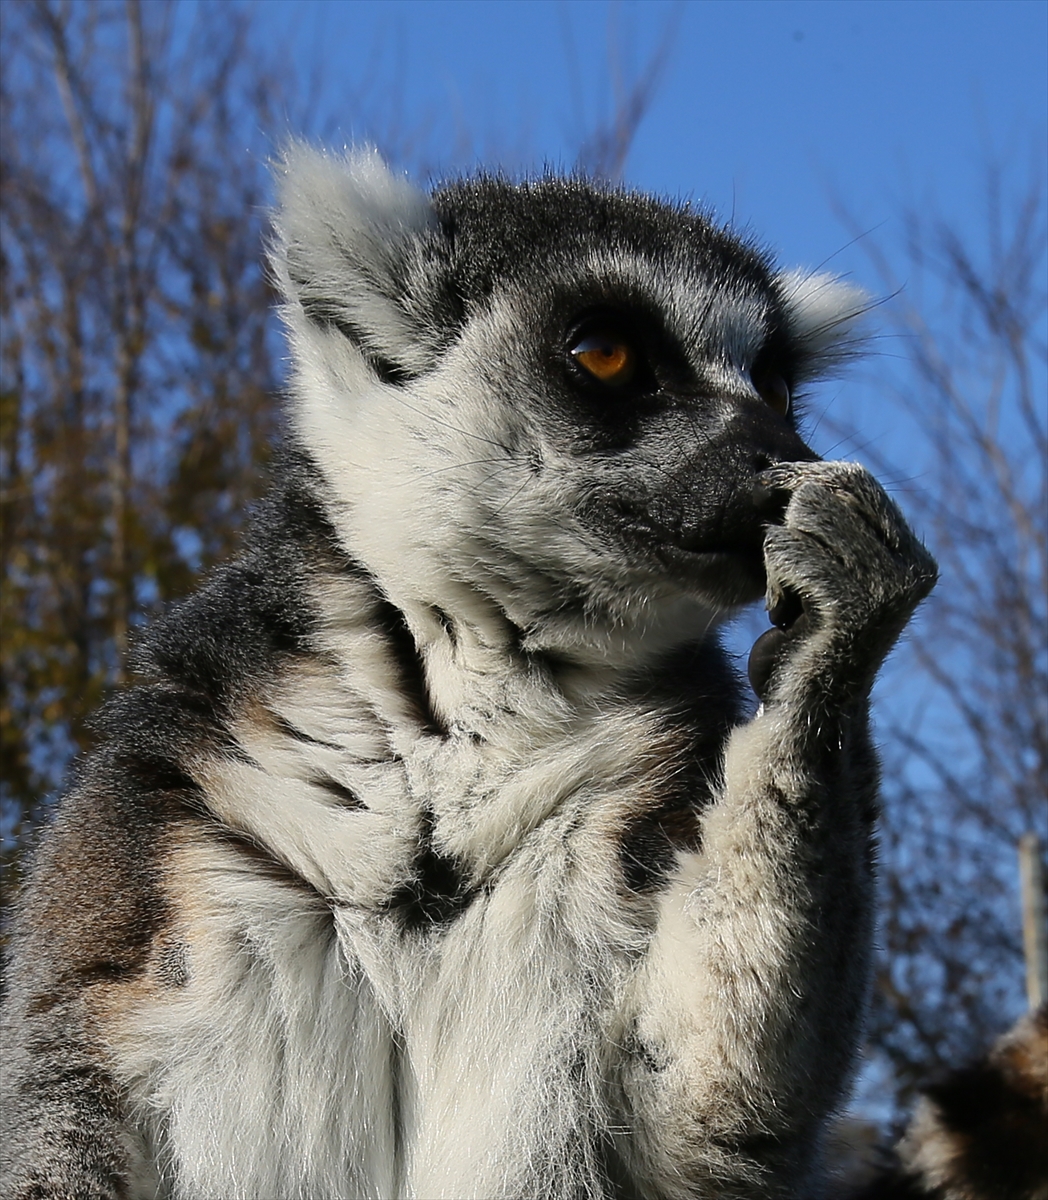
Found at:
[515, 847]
[338, 779]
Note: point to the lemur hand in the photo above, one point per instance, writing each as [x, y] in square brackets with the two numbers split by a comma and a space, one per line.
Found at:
[845, 572]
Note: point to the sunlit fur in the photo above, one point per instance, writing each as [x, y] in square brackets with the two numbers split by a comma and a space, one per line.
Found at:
[438, 853]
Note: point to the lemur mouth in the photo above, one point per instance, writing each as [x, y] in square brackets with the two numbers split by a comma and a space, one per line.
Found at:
[728, 568]
[731, 575]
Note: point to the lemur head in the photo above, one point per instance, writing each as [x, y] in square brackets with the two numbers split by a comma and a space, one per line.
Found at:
[552, 397]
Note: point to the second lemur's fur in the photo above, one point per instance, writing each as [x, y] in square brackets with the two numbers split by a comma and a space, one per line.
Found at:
[980, 1132]
[436, 853]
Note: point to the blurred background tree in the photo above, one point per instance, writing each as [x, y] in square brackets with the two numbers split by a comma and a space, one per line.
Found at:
[139, 385]
[138, 368]
[966, 756]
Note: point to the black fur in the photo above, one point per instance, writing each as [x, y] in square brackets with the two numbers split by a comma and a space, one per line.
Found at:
[702, 697]
[436, 891]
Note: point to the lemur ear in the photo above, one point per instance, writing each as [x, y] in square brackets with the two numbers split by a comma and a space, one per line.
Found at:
[825, 319]
[360, 249]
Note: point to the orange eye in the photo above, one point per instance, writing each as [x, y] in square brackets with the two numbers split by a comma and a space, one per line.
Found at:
[774, 391]
[606, 357]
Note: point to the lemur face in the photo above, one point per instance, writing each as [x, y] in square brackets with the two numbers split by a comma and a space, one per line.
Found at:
[568, 392]
[643, 403]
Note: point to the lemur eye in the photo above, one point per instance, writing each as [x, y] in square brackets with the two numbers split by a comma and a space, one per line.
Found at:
[607, 357]
[773, 390]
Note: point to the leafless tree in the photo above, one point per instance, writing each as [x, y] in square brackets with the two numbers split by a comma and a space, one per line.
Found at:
[138, 375]
[967, 767]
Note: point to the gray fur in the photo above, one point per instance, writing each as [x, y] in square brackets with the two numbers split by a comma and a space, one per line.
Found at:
[437, 855]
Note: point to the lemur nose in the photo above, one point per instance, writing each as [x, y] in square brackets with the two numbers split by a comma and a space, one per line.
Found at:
[770, 502]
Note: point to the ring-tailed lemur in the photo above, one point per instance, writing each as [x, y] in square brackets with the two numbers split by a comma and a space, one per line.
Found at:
[435, 854]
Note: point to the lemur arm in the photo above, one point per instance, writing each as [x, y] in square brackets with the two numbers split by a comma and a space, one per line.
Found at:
[759, 966]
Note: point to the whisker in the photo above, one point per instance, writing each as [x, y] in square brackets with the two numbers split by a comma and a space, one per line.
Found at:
[460, 466]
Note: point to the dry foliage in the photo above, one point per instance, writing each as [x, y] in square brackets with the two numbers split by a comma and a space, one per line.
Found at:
[966, 770]
[138, 374]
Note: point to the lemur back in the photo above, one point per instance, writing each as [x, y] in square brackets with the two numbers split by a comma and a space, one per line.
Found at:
[436, 851]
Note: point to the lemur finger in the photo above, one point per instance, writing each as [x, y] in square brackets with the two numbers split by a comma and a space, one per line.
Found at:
[815, 568]
[843, 508]
[844, 487]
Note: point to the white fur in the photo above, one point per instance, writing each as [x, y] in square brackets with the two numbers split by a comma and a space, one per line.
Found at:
[475, 1103]
[270, 1075]
[826, 314]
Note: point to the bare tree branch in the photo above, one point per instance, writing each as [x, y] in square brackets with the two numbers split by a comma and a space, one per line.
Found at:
[604, 149]
[967, 779]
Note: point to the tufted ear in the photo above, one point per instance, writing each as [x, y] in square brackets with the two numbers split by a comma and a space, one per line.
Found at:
[361, 250]
[825, 318]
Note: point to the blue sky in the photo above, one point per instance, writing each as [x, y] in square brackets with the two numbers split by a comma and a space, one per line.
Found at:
[766, 109]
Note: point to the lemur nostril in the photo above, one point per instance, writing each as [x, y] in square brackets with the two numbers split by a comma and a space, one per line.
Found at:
[770, 502]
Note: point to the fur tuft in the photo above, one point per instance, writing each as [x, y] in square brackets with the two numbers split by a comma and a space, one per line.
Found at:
[979, 1132]
[352, 243]
[825, 317]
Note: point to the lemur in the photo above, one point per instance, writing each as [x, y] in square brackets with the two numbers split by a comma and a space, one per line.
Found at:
[436, 851]
[978, 1132]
